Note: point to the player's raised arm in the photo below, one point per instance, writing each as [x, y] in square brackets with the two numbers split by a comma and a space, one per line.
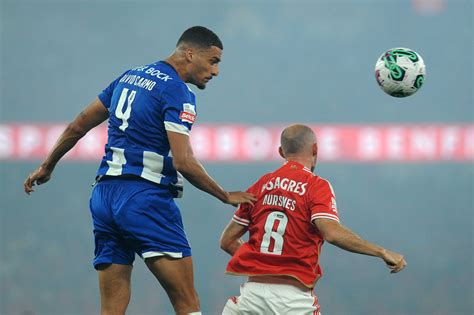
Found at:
[91, 116]
[339, 235]
[185, 162]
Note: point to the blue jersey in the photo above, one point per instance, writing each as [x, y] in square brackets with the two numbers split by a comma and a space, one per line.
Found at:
[143, 104]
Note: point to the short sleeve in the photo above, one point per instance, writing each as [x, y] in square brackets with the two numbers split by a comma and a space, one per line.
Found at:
[178, 111]
[323, 201]
[243, 213]
[106, 95]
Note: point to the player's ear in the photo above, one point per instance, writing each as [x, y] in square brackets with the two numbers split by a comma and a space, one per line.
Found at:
[280, 150]
[315, 149]
[189, 54]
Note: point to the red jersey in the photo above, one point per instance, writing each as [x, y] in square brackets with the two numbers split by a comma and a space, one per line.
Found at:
[283, 240]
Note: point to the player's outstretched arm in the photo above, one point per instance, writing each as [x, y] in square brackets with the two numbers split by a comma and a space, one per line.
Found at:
[185, 163]
[230, 239]
[339, 235]
[91, 116]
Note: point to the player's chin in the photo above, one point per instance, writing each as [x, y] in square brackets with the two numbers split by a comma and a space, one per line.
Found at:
[201, 86]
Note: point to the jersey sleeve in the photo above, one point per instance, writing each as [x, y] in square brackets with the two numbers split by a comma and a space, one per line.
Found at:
[242, 215]
[106, 95]
[323, 201]
[178, 112]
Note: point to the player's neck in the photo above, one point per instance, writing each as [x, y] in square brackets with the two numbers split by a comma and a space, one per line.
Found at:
[178, 65]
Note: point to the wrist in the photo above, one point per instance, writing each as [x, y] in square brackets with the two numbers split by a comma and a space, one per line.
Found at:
[226, 196]
[381, 252]
[47, 166]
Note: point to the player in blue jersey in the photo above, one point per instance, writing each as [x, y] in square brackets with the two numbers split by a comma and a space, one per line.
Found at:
[151, 112]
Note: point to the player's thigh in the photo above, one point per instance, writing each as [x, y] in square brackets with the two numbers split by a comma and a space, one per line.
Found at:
[110, 246]
[151, 224]
[253, 299]
[175, 274]
[297, 301]
[114, 285]
[231, 307]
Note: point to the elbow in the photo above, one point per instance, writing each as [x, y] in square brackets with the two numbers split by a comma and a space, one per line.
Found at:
[179, 165]
[182, 165]
[225, 244]
[76, 130]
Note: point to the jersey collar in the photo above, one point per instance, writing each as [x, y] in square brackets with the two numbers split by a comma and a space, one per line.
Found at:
[296, 165]
[170, 66]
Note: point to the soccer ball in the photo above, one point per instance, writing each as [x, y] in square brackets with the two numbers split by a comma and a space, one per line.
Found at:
[400, 72]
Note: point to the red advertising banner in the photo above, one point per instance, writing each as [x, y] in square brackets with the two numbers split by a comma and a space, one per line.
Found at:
[249, 143]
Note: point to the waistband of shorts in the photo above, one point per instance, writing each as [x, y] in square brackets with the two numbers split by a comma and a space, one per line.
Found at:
[176, 192]
[279, 280]
[131, 177]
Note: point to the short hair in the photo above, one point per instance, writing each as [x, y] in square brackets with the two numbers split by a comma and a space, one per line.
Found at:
[201, 37]
[296, 138]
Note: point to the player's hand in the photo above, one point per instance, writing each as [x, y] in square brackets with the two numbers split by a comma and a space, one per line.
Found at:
[39, 176]
[237, 197]
[395, 262]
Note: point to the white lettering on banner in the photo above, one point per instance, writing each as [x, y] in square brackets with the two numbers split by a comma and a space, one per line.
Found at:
[226, 143]
[328, 144]
[395, 143]
[30, 139]
[423, 143]
[377, 143]
[201, 142]
[369, 144]
[90, 144]
[257, 143]
[469, 143]
[52, 135]
[449, 142]
[6, 142]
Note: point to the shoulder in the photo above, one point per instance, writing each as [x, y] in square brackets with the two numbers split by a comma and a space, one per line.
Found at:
[317, 182]
[177, 88]
[256, 187]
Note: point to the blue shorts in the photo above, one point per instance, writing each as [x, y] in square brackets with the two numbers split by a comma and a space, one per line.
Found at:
[135, 216]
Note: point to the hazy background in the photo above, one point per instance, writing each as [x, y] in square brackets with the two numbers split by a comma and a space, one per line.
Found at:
[283, 62]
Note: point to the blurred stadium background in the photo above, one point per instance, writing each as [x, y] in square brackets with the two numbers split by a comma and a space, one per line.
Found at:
[284, 62]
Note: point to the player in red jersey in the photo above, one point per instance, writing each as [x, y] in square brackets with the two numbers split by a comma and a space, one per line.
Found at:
[293, 216]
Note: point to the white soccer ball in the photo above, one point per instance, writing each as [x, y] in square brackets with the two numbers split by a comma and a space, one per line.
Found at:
[400, 72]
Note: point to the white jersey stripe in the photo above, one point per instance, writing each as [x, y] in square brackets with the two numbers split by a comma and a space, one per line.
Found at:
[174, 127]
[325, 214]
[152, 166]
[239, 222]
[324, 217]
[241, 219]
[117, 163]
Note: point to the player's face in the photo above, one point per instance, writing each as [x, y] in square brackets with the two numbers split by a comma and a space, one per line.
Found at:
[205, 66]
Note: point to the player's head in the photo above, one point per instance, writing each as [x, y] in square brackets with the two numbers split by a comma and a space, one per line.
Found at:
[201, 49]
[299, 142]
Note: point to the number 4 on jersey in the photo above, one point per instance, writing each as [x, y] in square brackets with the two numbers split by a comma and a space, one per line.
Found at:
[281, 220]
[119, 113]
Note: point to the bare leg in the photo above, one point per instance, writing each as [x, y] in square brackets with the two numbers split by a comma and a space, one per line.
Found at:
[177, 278]
[114, 284]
